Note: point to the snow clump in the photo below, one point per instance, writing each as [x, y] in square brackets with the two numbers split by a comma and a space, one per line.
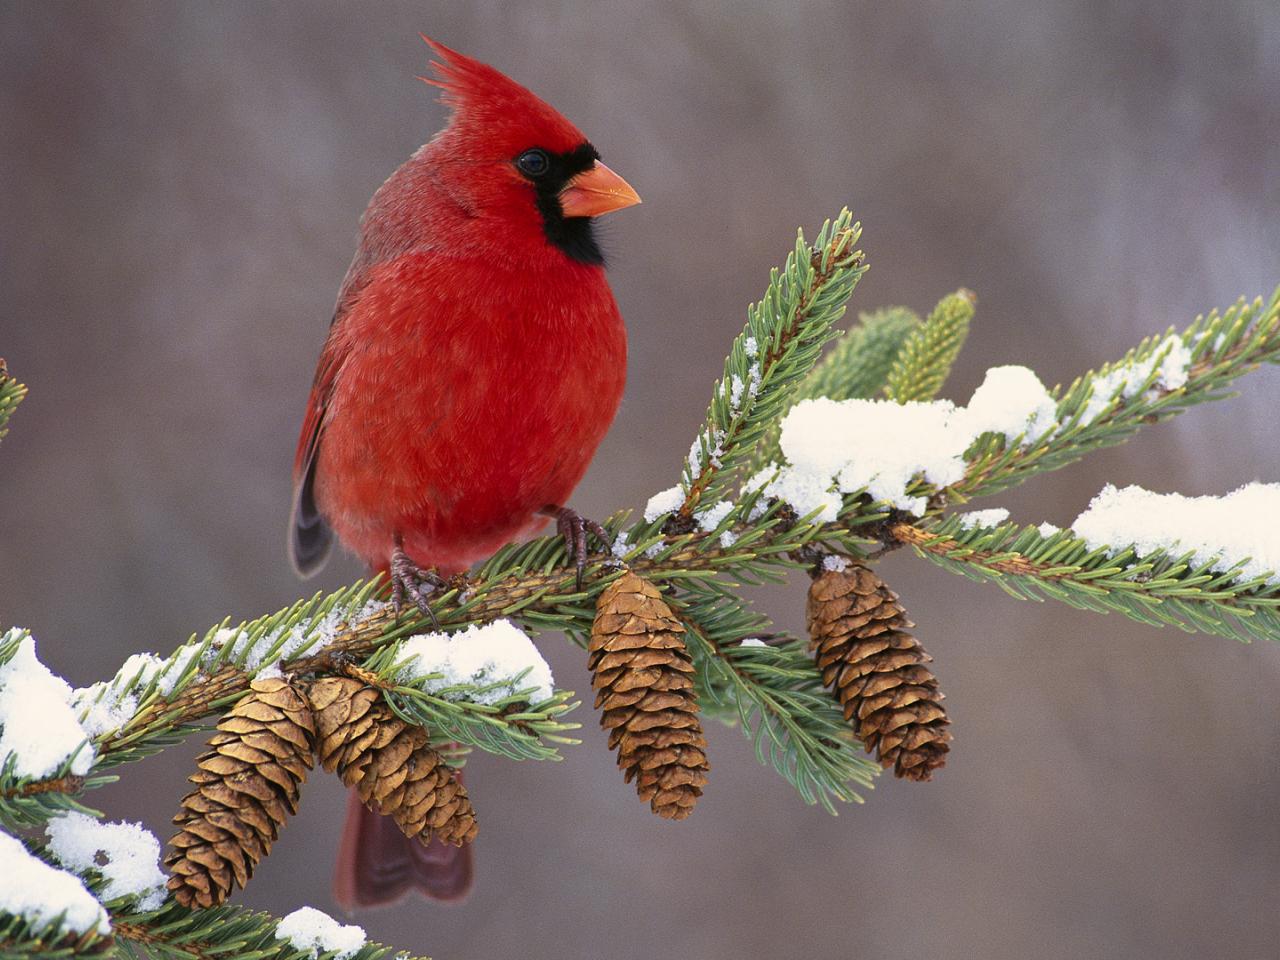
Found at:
[1239, 527]
[316, 932]
[126, 854]
[483, 654]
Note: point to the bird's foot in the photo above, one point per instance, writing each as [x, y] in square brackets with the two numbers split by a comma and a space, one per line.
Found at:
[574, 528]
[409, 579]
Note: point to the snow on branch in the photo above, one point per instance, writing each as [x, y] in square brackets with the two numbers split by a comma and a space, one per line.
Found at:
[125, 855]
[315, 932]
[39, 733]
[1161, 377]
[1207, 582]
[1238, 533]
[45, 897]
[839, 449]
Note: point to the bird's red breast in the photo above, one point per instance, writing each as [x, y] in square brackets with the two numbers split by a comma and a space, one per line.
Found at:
[468, 398]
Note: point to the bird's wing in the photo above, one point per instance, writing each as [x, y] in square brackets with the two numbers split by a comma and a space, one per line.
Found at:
[310, 537]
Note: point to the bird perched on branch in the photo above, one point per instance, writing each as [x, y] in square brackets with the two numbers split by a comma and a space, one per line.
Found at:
[475, 360]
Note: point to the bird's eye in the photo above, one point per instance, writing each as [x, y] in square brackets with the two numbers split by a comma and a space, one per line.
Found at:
[533, 163]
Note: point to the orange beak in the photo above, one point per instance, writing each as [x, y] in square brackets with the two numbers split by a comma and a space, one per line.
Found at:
[596, 191]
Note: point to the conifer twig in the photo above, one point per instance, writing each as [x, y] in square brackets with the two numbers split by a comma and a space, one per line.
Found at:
[11, 394]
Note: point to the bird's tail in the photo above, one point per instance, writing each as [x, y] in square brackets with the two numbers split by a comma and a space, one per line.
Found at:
[377, 864]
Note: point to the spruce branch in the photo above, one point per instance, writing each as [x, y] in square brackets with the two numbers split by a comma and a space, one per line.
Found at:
[171, 932]
[29, 802]
[216, 932]
[1158, 588]
[926, 357]
[782, 340]
[514, 726]
[535, 583]
[20, 938]
[1095, 412]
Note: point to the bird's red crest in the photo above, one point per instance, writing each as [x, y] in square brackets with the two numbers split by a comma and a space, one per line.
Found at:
[480, 95]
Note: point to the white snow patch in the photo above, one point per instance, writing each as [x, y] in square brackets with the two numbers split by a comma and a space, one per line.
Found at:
[1012, 401]
[665, 501]
[736, 389]
[750, 347]
[712, 517]
[1226, 530]
[177, 668]
[39, 893]
[227, 637]
[315, 931]
[109, 704]
[752, 642]
[713, 454]
[758, 481]
[836, 447]
[835, 563]
[126, 854]
[621, 545]
[102, 708]
[806, 493]
[695, 456]
[138, 670]
[1170, 361]
[983, 518]
[1048, 529]
[491, 653]
[40, 729]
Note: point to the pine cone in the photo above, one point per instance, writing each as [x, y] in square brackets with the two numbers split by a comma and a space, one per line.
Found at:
[878, 671]
[246, 785]
[641, 674]
[389, 762]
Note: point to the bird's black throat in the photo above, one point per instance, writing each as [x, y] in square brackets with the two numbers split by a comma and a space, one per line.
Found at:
[574, 236]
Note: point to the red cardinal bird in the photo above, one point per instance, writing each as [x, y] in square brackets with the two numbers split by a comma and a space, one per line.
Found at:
[475, 361]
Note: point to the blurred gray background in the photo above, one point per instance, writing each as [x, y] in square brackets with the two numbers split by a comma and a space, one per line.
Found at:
[179, 188]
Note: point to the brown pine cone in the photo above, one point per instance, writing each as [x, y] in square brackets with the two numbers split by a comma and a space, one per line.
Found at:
[641, 674]
[246, 785]
[389, 762]
[878, 671]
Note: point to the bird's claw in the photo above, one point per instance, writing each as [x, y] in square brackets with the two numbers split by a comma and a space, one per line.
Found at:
[407, 578]
[574, 528]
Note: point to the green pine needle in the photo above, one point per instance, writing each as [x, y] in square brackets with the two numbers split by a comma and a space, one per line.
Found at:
[921, 367]
[11, 394]
[781, 342]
